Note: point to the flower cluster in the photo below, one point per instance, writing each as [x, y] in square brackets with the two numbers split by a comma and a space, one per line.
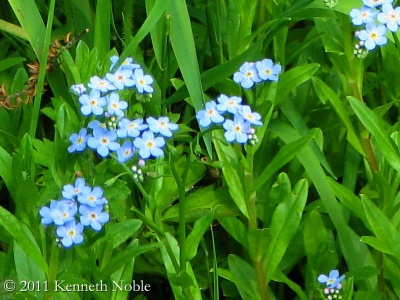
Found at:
[377, 17]
[238, 126]
[81, 206]
[112, 131]
[255, 72]
[333, 284]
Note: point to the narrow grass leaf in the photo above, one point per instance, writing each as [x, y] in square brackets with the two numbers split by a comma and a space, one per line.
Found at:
[102, 27]
[374, 125]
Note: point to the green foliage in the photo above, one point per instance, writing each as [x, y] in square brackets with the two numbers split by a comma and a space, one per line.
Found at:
[210, 219]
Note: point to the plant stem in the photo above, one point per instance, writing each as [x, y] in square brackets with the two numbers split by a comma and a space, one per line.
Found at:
[53, 268]
[251, 197]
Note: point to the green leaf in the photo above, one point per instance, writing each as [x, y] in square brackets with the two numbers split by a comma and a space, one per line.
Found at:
[291, 79]
[201, 202]
[10, 62]
[233, 172]
[21, 236]
[376, 127]
[285, 155]
[236, 229]
[284, 225]
[121, 231]
[102, 27]
[31, 21]
[244, 277]
[324, 92]
[197, 234]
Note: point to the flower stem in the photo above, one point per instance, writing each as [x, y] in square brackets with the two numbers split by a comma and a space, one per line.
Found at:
[53, 268]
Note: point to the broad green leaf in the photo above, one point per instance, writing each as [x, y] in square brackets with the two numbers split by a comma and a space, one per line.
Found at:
[121, 231]
[244, 277]
[355, 252]
[201, 202]
[102, 28]
[236, 229]
[258, 242]
[197, 234]
[28, 270]
[380, 245]
[20, 234]
[284, 225]
[233, 173]
[291, 79]
[10, 62]
[32, 23]
[376, 127]
[285, 155]
[13, 29]
[5, 170]
[324, 92]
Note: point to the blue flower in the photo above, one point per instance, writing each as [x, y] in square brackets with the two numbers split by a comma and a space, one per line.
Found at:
[78, 89]
[332, 280]
[252, 117]
[131, 128]
[103, 85]
[229, 104]
[125, 152]
[121, 78]
[148, 145]
[267, 70]
[376, 3]
[161, 126]
[363, 16]
[78, 141]
[70, 191]
[126, 64]
[142, 82]
[103, 141]
[373, 35]
[60, 211]
[70, 233]
[390, 16]
[247, 75]
[209, 115]
[115, 106]
[92, 103]
[97, 124]
[93, 216]
[92, 197]
[236, 130]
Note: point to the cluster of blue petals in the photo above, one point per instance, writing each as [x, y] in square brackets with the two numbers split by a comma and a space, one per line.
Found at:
[254, 72]
[332, 280]
[81, 207]
[112, 131]
[377, 18]
[236, 119]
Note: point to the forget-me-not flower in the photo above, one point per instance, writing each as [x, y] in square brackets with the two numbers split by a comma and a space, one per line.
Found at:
[390, 16]
[78, 140]
[229, 104]
[93, 216]
[209, 115]
[142, 82]
[126, 64]
[149, 145]
[247, 75]
[373, 35]
[92, 197]
[101, 84]
[125, 152]
[70, 233]
[92, 103]
[121, 78]
[363, 16]
[267, 70]
[78, 89]
[131, 128]
[236, 130]
[63, 211]
[72, 191]
[161, 125]
[376, 3]
[115, 106]
[332, 280]
[252, 117]
[103, 141]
